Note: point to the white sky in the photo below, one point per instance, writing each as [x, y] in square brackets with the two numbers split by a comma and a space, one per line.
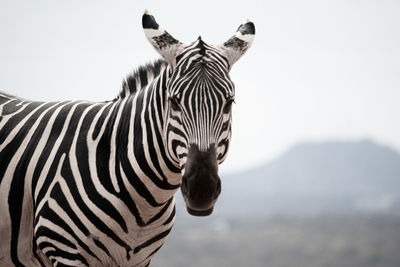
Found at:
[318, 70]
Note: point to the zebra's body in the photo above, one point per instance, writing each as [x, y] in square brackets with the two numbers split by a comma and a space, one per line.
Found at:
[66, 159]
[92, 184]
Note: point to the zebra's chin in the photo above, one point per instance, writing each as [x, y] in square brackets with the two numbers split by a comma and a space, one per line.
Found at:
[199, 208]
[200, 213]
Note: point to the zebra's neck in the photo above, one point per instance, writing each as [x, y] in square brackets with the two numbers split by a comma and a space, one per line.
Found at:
[139, 149]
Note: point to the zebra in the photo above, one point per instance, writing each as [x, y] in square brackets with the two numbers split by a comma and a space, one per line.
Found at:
[92, 183]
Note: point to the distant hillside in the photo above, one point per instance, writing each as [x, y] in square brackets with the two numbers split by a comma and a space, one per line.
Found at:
[319, 204]
[317, 177]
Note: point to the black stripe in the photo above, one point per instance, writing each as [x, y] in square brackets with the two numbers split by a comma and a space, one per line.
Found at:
[171, 217]
[66, 255]
[83, 165]
[139, 151]
[49, 233]
[64, 148]
[48, 213]
[66, 173]
[100, 122]
[152, 240]
[15, 197]
[160, 213]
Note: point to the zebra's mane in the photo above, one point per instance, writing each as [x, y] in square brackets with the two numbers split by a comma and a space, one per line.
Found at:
[141, 77]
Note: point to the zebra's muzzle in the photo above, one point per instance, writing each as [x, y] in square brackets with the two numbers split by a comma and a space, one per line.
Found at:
[201, 185]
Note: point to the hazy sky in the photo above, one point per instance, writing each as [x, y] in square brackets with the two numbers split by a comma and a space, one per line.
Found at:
[318, 70]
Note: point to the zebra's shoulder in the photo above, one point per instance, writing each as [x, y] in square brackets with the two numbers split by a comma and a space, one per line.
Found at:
[141, 77]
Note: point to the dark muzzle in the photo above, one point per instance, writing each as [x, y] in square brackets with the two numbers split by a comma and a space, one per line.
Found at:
[200, 184]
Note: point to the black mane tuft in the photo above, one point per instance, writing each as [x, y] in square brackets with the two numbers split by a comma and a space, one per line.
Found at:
[140, 74]
[202, 47]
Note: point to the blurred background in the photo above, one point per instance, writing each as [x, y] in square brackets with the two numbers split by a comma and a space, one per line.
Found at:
[313, 174]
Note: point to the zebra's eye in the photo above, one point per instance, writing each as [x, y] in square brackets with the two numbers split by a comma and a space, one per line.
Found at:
[175, 105]
[228, 105]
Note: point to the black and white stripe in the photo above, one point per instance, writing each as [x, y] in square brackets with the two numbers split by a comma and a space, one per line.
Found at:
[92, 184]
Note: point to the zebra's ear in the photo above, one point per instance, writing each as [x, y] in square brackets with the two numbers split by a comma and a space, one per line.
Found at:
[166, 45]
[238, 44]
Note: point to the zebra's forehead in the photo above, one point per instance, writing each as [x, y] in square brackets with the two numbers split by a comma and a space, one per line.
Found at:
[203, 68]
[200, 50]
[201, 78]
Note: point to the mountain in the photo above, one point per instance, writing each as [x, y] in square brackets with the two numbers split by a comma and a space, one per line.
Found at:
[313, 177]
[319, 204]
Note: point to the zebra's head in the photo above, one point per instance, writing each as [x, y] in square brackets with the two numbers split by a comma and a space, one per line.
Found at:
[199, 97]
